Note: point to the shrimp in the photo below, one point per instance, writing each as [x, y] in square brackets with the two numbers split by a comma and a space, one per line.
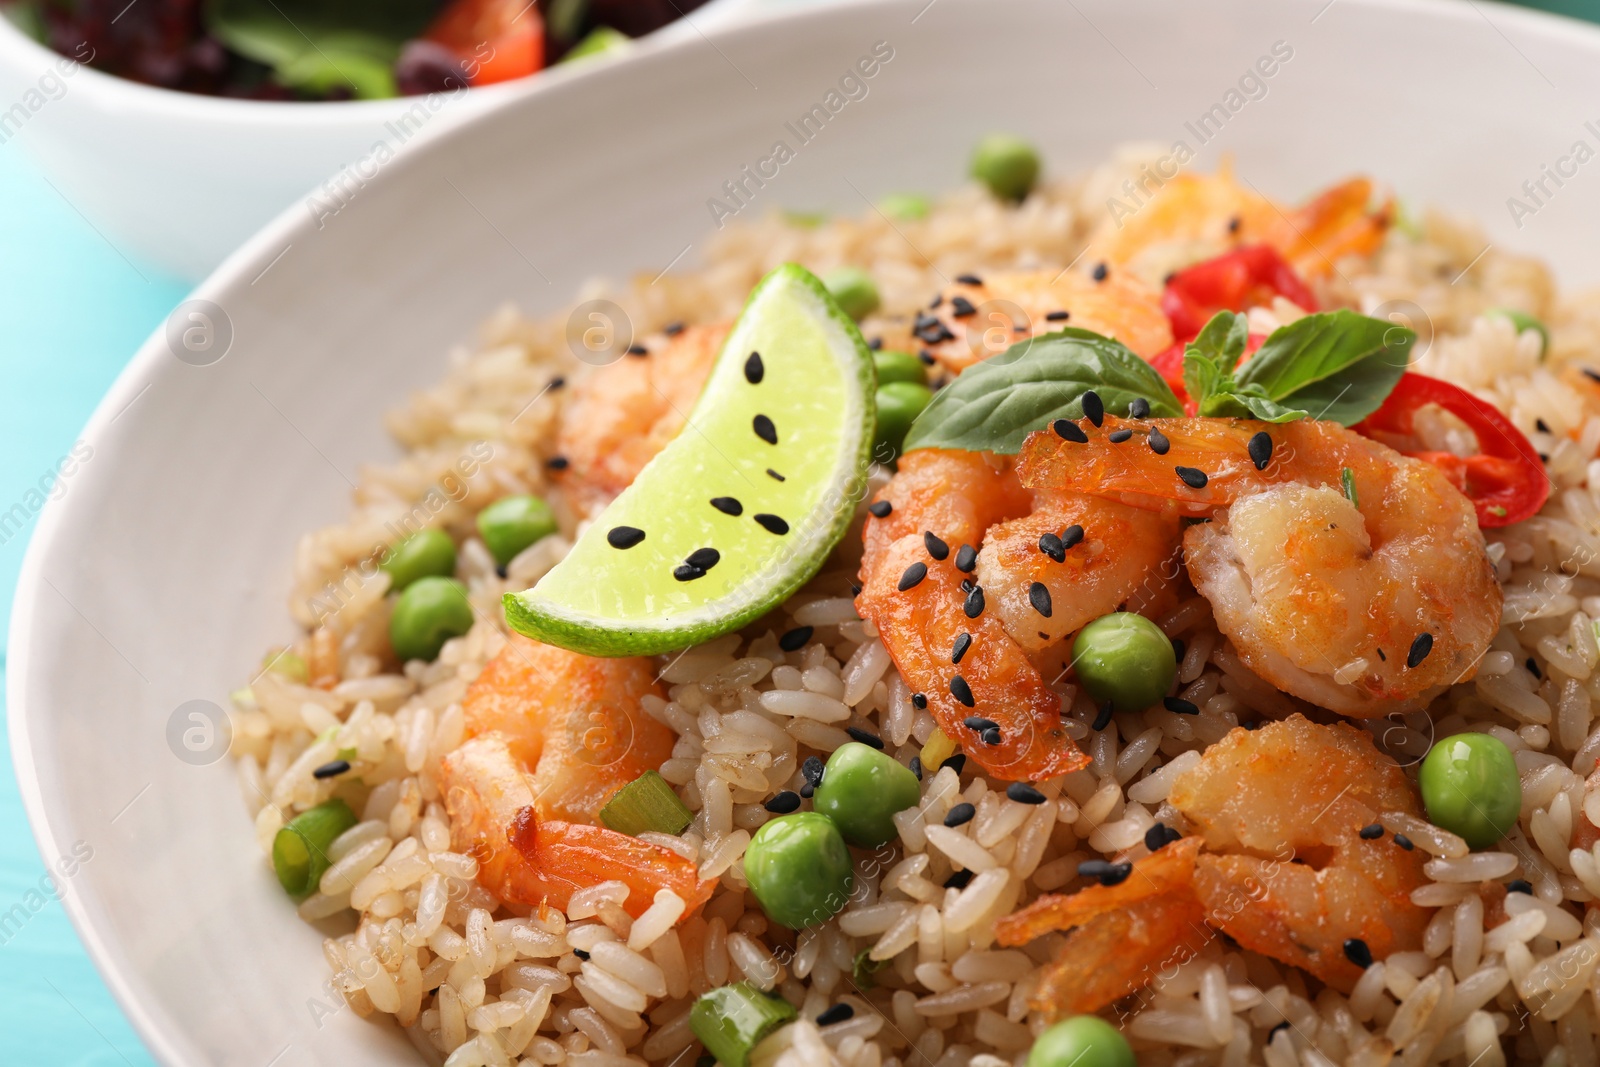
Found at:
[620, 415]
[1193, 217]
[574, 720]
[975, 318]
[1344, 573]
[1277, 862]
[527, 860]
[953, 503]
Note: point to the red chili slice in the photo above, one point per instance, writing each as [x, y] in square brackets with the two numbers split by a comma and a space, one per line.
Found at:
[1505, 481]
[1246, 277]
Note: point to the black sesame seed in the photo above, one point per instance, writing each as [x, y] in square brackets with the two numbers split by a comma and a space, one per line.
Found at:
[1071, 536]
[1233, 224]
[963, 642]
[1039, 597]
[1260, 449]
[1023, 793]
[783, 803]
[1180, 706]
[775, 475]
[966, 559]
[1101, 272]
[754, 369]
[1068, 430]
[956, 763]
[807, 790]
[764, 429]
[638, 350]
[672, 329]
[936, 548]
[557, 382]
[1404, 842]
[961, 690]
[991, 737]
[919, 701]
[960, 814]
[771, 523]
[811, 770]
[930, 331]
[686, 573]
[978, 724]
[1371, 832]
[1192, 477]
[1102, 718]
[1590, 374]
[866, 737]
[1058, 316]
[969, 279]
[961, 307]
[913, 576]
[1158, 442]
[938, 298]
[331, 769]
[1093, 409]
[1177, 649]
[558, 463]
[880, 509]
[876, 344]
[1382, 657]
[1419, 649]
[927, 357]
[1357, 952]
[1105, 873]
[1533, 667]
[836, 1014]
[727, 505]
[916, 767]
[1160, 836]
[958, 880]
[1139, 409]
[974, 602]
[1051, 546]
[1116, 437]
[1541, 425]
[968, 585]
[580, 953]
[794, 640]
[704, 558]
[1519, 885]
[1276, 1030]
[503, 571]
[624, 536]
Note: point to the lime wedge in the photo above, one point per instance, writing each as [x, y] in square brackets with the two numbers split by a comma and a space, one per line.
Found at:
[743, 506]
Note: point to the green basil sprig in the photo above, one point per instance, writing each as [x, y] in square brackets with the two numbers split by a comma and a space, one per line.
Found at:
[1334, 365]
[995, 405]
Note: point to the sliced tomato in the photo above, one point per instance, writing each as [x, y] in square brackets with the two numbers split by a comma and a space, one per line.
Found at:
[496, 40]
[1169, 364]
[1505, 481]
[1244, 278]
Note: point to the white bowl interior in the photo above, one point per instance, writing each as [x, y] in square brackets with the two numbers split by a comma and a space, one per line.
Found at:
[159, 577]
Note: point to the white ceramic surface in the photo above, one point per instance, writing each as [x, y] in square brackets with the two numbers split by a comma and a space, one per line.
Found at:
[180, 179]
[158, 576]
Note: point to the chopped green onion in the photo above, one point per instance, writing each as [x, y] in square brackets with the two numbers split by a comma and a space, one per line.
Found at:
[1348, 476]
[243, 699]
[864, 968]
[733, 1019]
[805, 220]
[907, 207]
[289, 664]
[1521, 321]
[1498, 511]
[648, 803]
[300, 851]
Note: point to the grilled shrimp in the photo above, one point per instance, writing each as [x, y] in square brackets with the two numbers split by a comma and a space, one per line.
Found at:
[620, 415]
[527, 860]
[956, 581]
[1276, 861]
[975, 318]
[1194, 217]
[1367, 598]
[574, 721]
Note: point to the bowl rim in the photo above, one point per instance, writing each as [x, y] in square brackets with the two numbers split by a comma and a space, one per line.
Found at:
[158, 1031]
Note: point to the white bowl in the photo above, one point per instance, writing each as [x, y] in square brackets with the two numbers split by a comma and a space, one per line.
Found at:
[159, 575]
[181, 180]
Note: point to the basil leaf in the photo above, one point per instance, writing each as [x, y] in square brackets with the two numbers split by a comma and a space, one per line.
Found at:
[319, 44]
[995, 405]
[1249, 403]
[1324, 348]
[1353, 393]
[1209, 359]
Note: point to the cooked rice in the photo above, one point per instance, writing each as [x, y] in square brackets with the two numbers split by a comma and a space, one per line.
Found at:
[475, 983]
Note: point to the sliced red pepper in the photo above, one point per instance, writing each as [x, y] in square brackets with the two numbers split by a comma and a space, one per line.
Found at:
[1244, 278]
[1505, 481]
[496, 40]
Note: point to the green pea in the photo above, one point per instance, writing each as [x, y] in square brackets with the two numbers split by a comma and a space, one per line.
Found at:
[899, 404]
[861, 790]
[1008, 165]
[1126, 659]
[853, 290]
[424, 553]
[904, 207]
[900, 367]
[1521, 321]
[430, 612]
[1470, 787]
[799, 869]
[512, 523]
[1082, 1041]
